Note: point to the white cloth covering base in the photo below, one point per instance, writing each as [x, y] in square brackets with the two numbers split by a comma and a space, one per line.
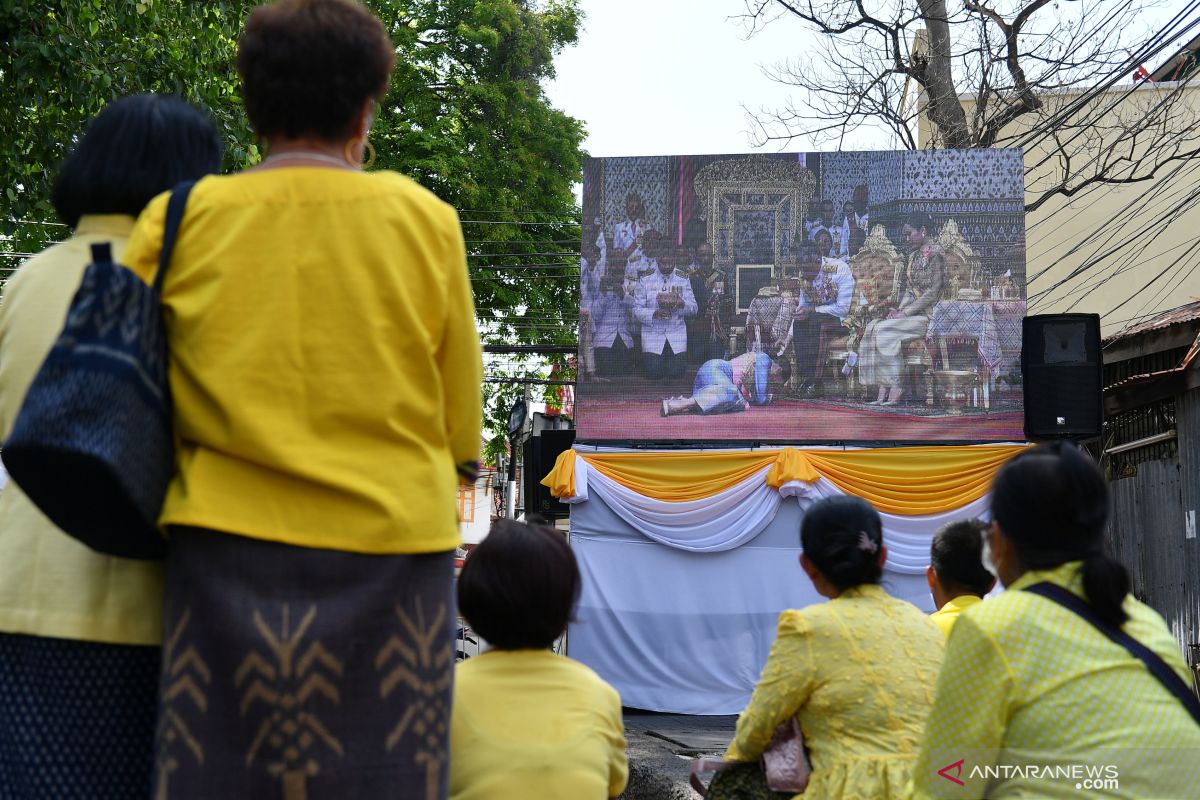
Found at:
[681, 619]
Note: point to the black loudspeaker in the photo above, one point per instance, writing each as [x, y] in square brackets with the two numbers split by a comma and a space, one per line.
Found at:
[1062, 371]
[540, 454]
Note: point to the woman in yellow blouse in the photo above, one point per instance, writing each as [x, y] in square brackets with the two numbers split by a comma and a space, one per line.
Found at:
[79, 631]
[1033, 700]
[857, 672]
[325, 370]
[528, 723]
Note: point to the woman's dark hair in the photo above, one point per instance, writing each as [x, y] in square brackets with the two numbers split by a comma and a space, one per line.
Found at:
[308, 66]
[519, 586]
[135, 148]
[918, 220]
[841, 537]
[1052, 502]
[957, 557]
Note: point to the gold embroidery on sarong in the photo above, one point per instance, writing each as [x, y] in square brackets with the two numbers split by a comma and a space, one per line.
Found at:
[425, 668]
[186, 675]
[284, 688]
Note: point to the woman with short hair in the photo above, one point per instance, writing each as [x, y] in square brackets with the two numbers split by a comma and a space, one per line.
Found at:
[856, 672]
[1031, 686]
[80, 631]
[325, 369]
[529, 723]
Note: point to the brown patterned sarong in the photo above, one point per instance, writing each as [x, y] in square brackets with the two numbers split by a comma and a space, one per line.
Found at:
[303, 674]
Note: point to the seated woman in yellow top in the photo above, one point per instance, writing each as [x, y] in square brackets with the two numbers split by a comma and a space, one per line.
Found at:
[528, 723]
[1033, 700]
[79, 631]
[857, 672]
[325, 369]
[956, 574]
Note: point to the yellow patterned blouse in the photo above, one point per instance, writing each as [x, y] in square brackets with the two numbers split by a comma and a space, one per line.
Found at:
[858, 672]
[1075, 714]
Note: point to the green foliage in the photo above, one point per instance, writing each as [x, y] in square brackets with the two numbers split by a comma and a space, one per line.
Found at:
[466, 116]
[61, 61]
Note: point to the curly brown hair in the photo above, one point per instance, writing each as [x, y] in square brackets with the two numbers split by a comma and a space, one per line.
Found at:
[307, 66]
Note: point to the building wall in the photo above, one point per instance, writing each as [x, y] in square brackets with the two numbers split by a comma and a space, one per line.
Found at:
[475, 509]
[1151, 533]
[1066, 233]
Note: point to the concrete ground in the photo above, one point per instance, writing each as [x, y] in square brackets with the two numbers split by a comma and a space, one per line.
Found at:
[661, 747]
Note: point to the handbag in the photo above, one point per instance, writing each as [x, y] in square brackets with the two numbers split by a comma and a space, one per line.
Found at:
[92, 446]
[783, 768]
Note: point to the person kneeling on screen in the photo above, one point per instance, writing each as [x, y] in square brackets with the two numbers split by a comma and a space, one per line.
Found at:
[723, 387]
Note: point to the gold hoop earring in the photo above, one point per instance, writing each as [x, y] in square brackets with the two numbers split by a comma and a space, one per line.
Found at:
[370, 148]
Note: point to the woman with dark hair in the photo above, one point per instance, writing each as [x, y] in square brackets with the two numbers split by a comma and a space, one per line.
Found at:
[880, 351]
[857, 672]
[1040, 678]
[325, 369]
[80, 631]
[527, 722]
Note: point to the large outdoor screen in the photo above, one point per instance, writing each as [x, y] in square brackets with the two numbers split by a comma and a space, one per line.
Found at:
[802, 297]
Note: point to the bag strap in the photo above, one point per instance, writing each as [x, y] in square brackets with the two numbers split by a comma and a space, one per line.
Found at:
[1168, 677]
[175, 206]
[706, 764]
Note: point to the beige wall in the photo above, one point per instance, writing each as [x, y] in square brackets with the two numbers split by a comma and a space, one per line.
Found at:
[1121, 227]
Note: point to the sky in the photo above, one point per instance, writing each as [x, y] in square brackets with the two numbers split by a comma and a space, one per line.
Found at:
[675, 77]
[670, 77]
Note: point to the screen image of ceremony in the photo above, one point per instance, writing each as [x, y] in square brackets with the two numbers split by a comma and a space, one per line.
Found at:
[802, 297]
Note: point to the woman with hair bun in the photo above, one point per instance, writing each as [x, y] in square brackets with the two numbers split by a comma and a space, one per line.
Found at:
[857, 672]
[1032, 685]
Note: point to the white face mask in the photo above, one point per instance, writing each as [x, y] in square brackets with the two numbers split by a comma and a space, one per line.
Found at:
[988, 563]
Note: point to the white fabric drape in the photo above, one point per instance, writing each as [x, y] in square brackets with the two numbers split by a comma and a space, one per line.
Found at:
[688, 632]
[733, 517]
[722, 521]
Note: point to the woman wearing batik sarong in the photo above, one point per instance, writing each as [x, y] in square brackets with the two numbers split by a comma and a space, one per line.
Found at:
[722, 387]
[325, 370]
[880, 354]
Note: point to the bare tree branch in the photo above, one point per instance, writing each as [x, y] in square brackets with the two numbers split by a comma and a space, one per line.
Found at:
[991, 73]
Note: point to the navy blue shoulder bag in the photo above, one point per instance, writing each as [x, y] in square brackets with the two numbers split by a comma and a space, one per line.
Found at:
[92, 445]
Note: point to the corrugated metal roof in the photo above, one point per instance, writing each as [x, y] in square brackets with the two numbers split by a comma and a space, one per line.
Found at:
[1175, 316]
[1180, 65]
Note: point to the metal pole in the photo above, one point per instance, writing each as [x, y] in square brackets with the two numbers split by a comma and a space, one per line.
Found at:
[510, 486]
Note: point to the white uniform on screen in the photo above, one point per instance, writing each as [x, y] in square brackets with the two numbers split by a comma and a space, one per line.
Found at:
[657, 332]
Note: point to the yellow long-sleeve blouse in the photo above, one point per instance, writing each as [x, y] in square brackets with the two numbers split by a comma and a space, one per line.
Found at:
[324, 360]
[531, 724]
[1033, 700]
[51, 584]
[858, 673]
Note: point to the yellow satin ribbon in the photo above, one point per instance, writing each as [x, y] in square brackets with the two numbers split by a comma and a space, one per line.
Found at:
[911, 481]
